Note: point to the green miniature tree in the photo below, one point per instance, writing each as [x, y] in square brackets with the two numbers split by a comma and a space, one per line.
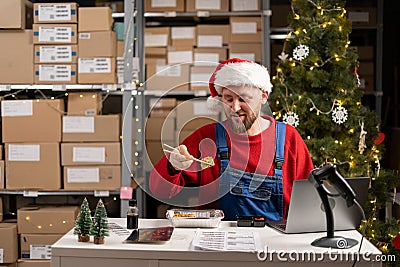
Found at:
[100, 223]
[316, 91]
[83, 222]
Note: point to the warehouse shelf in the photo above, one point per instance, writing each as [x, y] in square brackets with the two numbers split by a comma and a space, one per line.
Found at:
[199, 14]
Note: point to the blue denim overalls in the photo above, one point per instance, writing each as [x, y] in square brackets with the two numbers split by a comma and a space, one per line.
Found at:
[243, 193]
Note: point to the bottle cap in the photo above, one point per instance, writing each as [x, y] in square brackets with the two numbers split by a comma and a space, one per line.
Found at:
[132, 202]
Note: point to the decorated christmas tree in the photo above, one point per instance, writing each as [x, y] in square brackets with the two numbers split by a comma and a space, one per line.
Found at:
[316, 91]
[83, 222]
[100, 223]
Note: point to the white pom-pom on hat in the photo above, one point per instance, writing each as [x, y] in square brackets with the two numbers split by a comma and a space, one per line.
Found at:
[237, 72]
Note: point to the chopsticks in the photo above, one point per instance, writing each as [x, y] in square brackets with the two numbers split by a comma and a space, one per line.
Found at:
[193, 158]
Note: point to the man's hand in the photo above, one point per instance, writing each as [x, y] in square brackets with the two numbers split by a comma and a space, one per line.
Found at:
[180, 158]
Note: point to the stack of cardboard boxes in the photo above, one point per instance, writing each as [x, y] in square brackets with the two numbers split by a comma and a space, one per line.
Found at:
[38, 228]
[53, 52]
[55, 41]
[90, 148]
[32, 136]
[97, 46]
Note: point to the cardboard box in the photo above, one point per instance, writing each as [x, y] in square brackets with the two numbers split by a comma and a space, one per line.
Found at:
[40, 162]
[212, 35]
[245, 5]
[34, 263]
[55, 74]
[205, 5]
[120, 49]
[32, 120]
[249, 51]
[46, 219]
[200, 76]
[162, 107]
[183, 36]
[93, 19]
[97, 70]
[55, 12]
[56, 54]
[209, 56]
[84, 103]
[158, 128]
[180, 55]
[9, 242]
[167, 77]
[16, 55]
[365, 53]
[54, 34]
[193, 109]
[73, 154]
[162, 6]
[16, 14]
[31, 245]
[101, 177]
[362, 16]
[105, 128]
[246, 30]
[97, 44]
[2, 184]
[280, 14]
[157, 36]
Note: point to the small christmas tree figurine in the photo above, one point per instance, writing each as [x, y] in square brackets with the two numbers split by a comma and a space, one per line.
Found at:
[83, 223]
[100, 223]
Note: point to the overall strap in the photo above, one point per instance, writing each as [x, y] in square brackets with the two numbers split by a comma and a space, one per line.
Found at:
[280, 148]
[222, 146]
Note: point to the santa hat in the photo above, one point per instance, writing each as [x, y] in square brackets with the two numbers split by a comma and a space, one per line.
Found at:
[237, 72]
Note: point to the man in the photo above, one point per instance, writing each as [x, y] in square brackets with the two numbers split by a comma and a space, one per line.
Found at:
[256, 159]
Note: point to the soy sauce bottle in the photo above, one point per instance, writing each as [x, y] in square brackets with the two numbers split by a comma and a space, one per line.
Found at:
[132, 215]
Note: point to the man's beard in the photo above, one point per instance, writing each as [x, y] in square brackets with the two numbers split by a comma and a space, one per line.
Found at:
[240, 127]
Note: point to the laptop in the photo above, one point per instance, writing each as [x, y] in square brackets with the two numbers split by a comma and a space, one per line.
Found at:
[306, 212]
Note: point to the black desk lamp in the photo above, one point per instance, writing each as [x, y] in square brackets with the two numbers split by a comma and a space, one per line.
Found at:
[321, 178]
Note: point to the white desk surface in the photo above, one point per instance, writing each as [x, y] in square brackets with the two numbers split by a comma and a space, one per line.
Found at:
[116, 252]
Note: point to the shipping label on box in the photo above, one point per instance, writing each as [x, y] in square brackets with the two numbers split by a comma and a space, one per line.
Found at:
[90, 153]
[245, 5]
[23, 152]
[55, 13]
[100, 177]
[37, 246]
[94, 65]
[43, 33]
[55, 73]
[56, 53]
[78, 124]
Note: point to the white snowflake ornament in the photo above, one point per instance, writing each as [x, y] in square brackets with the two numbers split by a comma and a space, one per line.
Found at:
[339, 115]
[301, 52]
[291, 118]
[283, 56]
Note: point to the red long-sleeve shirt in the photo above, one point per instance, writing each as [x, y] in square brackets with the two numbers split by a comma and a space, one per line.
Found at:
[253, 154]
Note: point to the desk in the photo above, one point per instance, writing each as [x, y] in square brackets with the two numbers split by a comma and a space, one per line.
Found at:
[177, 252]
